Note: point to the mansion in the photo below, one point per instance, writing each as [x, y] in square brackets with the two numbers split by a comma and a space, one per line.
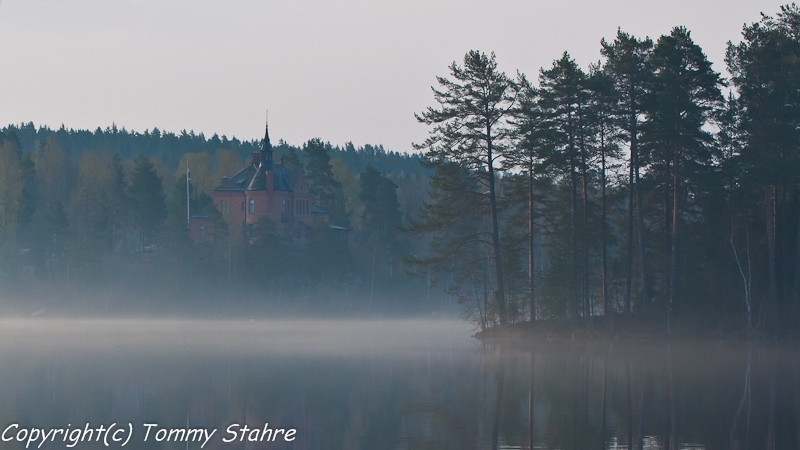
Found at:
[261, 189]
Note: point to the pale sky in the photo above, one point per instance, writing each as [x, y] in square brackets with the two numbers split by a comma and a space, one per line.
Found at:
[352, 70]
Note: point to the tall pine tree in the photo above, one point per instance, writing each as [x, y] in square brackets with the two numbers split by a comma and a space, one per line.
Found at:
[471, 127]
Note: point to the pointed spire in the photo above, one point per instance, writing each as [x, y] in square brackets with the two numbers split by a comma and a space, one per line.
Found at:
[266, 148]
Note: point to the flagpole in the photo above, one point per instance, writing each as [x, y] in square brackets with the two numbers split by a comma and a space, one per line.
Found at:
[188, 177]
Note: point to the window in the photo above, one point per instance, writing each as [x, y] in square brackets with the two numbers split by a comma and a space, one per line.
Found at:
[252, 206]
[242, 206]
[250, 228]
[202, 233]
[285, 206]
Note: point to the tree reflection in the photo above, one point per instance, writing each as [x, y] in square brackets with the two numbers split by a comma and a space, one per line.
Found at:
[554, 396]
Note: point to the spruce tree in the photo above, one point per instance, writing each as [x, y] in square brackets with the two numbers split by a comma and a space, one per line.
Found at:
[319, 174]
[146, 199]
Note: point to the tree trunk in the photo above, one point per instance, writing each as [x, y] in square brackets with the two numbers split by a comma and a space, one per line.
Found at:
[587, 310]
[667, 235]
[782, 243]
[573, 306]
[531, 260]
[605, 225]
[642, 253]
[769, 203]
[796, 287]
[499, 294]
[626, 308]
[673, 256]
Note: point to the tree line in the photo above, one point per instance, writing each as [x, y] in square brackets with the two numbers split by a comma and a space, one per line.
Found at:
[633, 186]
[82, 216]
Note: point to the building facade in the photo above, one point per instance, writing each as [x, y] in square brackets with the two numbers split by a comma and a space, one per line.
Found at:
[261, 189]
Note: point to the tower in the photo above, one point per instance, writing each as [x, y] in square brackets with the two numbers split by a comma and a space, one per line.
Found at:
[266, 151]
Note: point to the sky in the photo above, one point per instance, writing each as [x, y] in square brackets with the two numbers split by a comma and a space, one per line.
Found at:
[350, 70]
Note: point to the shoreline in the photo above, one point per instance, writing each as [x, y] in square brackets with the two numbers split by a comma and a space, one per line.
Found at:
[631, 329]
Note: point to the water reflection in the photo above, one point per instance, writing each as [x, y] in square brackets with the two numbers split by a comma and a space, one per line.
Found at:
[672, 396]
[391, 385]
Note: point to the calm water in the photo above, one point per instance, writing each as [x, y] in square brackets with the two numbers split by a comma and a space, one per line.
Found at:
[382, 385]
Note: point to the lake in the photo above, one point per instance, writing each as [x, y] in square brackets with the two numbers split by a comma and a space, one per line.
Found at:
[414, 384]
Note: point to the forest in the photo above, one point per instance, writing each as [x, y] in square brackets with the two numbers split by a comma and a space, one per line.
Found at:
[95, 222]
[645, 184]
[648, 184]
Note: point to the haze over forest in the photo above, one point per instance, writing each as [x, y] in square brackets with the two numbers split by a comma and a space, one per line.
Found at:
[634, 187]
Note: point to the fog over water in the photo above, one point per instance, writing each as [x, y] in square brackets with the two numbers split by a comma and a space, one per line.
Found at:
[286, 336]
[385, 384]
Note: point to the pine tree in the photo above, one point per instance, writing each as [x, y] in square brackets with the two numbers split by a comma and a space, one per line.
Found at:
[472, 129]
[455, 220]
[531, 146]
[563, 102]
[685, 92]
[603, 98]
[765, 69]
[628, 65]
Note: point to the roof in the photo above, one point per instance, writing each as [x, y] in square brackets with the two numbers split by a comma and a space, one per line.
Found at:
[203, 213]
[254, 178]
